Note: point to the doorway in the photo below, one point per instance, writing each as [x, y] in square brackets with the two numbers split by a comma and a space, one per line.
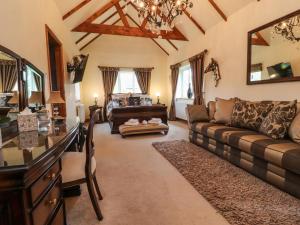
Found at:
[55, 66]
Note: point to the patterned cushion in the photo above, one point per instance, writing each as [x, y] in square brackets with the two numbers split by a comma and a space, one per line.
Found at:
[278, 121]
[250, 115]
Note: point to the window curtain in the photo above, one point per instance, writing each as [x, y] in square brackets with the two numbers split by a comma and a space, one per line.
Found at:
[38, 82]
[197, 67]
[143, 76]
[174, 80]
[8, 75]
[109, 77]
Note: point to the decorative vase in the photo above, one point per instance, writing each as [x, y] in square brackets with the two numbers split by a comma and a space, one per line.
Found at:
[189, 92]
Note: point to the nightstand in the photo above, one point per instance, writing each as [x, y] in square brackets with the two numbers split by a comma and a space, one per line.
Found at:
[99, 117]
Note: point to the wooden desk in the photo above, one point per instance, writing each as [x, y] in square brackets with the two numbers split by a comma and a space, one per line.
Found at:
[30, 179]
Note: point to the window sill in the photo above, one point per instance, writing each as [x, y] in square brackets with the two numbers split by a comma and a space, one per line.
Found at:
[184, 99]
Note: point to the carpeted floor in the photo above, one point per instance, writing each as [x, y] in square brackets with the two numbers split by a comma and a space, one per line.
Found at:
[139, 186]
[240, 197]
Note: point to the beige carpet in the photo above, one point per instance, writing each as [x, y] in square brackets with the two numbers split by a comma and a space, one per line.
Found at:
[139, 186]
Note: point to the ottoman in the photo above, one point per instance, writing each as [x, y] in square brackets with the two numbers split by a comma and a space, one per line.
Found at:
[126, 130]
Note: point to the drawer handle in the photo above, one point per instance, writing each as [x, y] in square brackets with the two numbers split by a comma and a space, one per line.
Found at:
[52, 202]
[51, 176]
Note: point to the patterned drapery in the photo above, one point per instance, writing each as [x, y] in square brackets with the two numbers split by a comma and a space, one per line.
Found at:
[8, 75]
[174, 80]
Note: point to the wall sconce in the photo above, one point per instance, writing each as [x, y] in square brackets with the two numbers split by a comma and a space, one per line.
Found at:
[96, 99]
[158, 95]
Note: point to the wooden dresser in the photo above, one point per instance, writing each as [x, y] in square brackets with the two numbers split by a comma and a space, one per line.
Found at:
[30, 179]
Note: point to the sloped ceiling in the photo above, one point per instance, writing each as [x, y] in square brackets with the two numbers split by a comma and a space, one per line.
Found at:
[203, 13]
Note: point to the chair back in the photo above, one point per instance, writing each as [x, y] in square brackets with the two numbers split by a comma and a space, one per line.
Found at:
[89, 143]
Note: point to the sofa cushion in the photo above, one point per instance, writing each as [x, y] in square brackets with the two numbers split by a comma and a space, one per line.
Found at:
[218, 132]
[278, 121]
[250, 115]
[283, 153]
[197, 113]
[224, 110]
[294, 130]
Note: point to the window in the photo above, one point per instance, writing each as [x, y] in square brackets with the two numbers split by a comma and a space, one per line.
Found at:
[126, 83]
[256, 76]
[77, 92]
[184, 81]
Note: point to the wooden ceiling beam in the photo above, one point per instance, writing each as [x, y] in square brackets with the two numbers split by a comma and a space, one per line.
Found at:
[173, 45]
[99, 12]
[122, 15]
[194, 21]
[127, 31]
[104, 21]
[259, 40]
[93, 39]
[151, 38]
[217, 8]
[75, 9]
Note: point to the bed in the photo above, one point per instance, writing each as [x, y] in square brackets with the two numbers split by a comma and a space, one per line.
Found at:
[118, 115]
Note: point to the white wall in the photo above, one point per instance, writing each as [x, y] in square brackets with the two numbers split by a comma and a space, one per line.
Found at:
[123, 51]
[227, 43]
[23, 31]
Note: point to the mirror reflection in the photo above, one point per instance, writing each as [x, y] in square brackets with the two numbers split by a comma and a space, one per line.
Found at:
[275, 52]
[34, 88]
[9, 93]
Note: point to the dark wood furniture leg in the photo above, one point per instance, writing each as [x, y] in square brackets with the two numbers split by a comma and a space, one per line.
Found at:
[89, 182]
[97, 187]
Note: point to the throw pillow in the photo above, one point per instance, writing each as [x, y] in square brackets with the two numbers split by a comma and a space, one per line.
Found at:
[250, 115]
[278, 121]
[294, 131]
[224, 110]
[197, 113]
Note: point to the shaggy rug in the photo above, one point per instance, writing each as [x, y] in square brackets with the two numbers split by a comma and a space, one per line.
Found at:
[240, 197]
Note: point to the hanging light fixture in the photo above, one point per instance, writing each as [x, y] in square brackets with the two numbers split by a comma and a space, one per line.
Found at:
[160, 14]
[289, 29]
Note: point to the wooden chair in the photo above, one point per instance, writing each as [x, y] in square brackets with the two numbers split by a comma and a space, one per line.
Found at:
[80, 167]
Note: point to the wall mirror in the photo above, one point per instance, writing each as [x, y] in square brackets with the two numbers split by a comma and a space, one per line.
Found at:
[33, 86]
[274, 51]
[9, 83]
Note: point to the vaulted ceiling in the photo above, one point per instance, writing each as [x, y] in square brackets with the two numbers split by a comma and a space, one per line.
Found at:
[90, 19]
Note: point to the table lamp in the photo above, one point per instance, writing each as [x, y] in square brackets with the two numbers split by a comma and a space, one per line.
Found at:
[158, 95]
[14, 100]
[36, 98]
[55, 99]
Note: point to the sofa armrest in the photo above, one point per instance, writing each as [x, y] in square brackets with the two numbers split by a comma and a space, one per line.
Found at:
[196, 113]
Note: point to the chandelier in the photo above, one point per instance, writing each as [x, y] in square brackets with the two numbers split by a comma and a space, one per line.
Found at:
[289, 29]
[160, 14]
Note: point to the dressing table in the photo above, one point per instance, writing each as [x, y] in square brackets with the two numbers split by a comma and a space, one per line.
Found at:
[30, 180]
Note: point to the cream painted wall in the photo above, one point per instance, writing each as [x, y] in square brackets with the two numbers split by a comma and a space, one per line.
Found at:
[123, 51]
[227, 43]
[23, 31]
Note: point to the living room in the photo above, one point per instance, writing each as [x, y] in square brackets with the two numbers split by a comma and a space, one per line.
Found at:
[126, 112]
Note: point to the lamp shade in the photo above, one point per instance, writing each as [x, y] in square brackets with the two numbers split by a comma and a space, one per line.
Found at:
[36, 97]
[14, 99]
[55, 98]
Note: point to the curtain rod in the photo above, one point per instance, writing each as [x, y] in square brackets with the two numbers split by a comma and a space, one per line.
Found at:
[186, 60]
[127, 67]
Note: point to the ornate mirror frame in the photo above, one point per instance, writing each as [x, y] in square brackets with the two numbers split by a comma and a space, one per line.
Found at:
[249, 56]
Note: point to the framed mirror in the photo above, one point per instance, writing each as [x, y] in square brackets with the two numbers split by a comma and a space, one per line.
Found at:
[34, 87]
[274, 51]
[10, 100]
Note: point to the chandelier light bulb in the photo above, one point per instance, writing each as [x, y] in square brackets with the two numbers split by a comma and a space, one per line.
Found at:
[153, 8]
[141, 4]
[178, 2]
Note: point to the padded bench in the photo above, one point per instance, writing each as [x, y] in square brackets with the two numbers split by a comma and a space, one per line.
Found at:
[126, 130]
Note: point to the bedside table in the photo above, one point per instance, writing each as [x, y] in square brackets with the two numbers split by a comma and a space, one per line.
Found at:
[99, 117]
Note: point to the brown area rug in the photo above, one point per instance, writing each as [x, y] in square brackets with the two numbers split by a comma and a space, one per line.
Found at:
[240, 197]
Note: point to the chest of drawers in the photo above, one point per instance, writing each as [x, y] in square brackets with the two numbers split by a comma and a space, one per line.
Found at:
[30, 181]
